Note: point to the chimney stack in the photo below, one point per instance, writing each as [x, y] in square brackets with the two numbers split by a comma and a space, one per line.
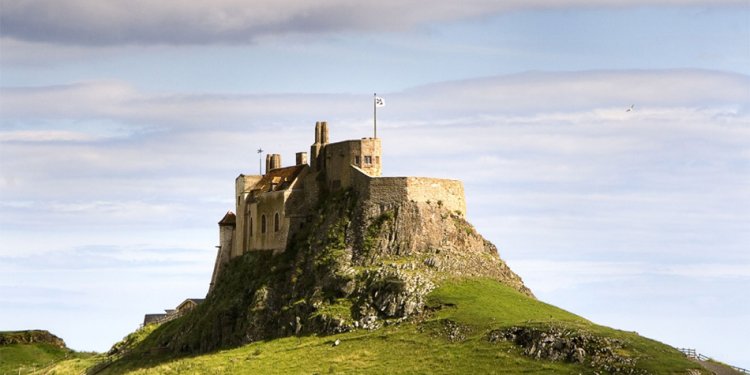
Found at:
[301, 158]
[273, 161]
[324, 132]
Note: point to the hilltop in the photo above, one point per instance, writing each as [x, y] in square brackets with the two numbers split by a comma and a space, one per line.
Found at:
[22, 352]
[468, 330]
[328, 267]
[358, 293]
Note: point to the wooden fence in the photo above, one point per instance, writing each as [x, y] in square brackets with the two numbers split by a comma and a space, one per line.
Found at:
[691, 353]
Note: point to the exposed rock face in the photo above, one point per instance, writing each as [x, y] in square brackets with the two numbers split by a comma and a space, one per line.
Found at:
[440, 243]
[569, 345]
[31, 337]
[356, 266]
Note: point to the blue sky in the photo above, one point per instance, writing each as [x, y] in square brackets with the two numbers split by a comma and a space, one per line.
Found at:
[123, 125]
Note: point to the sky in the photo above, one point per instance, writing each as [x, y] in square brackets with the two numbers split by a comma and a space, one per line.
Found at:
[124, 123]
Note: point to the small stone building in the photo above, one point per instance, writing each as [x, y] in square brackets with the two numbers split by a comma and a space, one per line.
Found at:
[169, 314]
[188, 305]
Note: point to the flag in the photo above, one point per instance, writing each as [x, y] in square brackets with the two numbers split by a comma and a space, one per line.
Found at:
[379, 102]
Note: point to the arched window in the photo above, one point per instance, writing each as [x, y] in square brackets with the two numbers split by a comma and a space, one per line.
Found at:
[263, 224]
[276, 222]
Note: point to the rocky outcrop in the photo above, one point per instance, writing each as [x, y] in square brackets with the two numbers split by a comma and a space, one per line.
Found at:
[356, 265]
[31, 337]
[428, 237]
[570, 345]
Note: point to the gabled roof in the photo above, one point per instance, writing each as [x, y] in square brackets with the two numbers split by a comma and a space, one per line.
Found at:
[228, 219]
[279, 178]
[196, 301]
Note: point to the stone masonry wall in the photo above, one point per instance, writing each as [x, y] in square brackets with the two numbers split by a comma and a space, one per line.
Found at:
[396, 190]
[242, 186]
[379, 190]
[224, 253]
[340, 156]
[448, 193]
[268, 205]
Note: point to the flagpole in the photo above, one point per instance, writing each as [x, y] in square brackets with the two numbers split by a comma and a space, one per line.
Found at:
[260, 163]
[375, 115]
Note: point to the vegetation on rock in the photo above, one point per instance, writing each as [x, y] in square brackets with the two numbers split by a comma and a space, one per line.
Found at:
[453, 336]
[354, 267]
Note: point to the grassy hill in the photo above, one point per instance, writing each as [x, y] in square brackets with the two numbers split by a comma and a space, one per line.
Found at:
[372, 289]
[459, 334]
[23, 352]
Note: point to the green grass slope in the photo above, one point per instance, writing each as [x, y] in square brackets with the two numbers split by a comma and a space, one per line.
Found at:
[452, 338]
[25, 352]
[24, 358]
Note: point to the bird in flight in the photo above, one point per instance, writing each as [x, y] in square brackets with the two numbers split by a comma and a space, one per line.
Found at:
[630, 109]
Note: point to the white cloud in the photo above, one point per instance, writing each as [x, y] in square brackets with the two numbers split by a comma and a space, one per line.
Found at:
[550, 276]
[107, 22]
[110, 138]
[521, 99]
[547, 277]
[728, 271]
[46, 136]
[578, 194]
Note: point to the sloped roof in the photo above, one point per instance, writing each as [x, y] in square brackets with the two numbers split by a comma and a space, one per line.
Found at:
[279, 178]
[197, 301]
[228, 219]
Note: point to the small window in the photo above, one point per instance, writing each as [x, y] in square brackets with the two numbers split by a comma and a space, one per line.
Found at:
[263, 224]
[377, 160]
[368, 159]
[356, 160]
[276, 222]
[238, 201]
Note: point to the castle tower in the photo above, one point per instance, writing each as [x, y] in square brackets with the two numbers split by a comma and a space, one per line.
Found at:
[226, 236]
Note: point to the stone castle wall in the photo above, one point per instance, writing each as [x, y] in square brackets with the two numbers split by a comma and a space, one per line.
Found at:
[448, 193]
[363, 153]
[224, 252]
[395, 190]
[242, 186]
[268, 206]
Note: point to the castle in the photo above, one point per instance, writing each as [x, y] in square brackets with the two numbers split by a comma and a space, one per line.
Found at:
[270, 208]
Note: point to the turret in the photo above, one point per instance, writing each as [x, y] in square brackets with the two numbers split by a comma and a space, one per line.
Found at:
[226, 237]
